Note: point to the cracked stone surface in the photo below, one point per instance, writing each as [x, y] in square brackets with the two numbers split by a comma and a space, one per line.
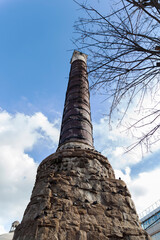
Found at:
[76, 197]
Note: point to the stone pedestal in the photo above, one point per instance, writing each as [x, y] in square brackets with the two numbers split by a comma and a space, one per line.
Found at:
[76, 197]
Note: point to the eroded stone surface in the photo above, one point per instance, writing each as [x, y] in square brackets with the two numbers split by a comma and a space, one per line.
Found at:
[76, 197]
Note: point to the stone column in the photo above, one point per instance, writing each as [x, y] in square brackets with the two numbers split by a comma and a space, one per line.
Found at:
[76, 122]
[76, 195]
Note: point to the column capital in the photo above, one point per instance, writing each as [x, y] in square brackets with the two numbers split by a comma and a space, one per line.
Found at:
[78, 56]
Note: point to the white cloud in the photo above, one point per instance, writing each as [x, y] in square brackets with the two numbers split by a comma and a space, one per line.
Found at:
[2, 229]
[113, 143]
[24, 130]
[18, 134]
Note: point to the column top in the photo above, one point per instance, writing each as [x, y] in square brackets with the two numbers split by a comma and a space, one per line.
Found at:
[78, 56]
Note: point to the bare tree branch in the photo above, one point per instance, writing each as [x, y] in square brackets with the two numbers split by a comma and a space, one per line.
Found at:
[124, 55]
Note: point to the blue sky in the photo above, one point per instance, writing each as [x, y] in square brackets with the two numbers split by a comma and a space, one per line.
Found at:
[35, 53]
[34, 44]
